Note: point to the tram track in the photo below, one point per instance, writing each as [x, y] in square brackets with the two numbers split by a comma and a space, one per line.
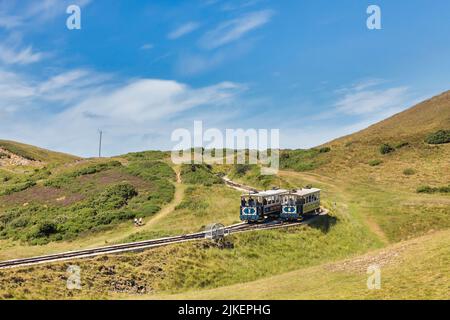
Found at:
[153, 243]
[142, 245]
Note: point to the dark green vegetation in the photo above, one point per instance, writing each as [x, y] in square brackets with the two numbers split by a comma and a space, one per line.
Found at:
[409, 172]
[439, 137]
[82, 198]
[304, 160]
[12, 182]
[374, 163]
[251, 175]
[386, 148]
[430, 190]
[199, 174]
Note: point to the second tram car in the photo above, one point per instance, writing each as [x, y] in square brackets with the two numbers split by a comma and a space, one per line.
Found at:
[297, 203]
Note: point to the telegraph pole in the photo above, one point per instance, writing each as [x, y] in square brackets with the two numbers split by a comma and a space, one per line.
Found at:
[100, 144]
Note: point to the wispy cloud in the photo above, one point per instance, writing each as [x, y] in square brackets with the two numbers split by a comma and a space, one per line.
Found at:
[147, 46]
[22, 56]
[365, 99]
[183, 30]
[9, 22]
[233, 30]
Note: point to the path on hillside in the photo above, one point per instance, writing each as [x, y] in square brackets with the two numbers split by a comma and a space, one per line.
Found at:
[169, 208]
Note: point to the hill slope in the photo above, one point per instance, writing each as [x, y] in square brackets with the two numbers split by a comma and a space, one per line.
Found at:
[33, 155]
[413, 124]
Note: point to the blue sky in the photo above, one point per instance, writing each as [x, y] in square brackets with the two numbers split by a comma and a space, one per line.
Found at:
[140, 69]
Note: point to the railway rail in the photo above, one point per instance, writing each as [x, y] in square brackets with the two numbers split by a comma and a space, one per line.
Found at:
[142, 245]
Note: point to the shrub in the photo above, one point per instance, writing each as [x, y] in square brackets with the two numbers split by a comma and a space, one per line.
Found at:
[428, 189]
[409, 172]
[115, 197]
[18, 187]
[46, 229]
[324, 150]
[375, 162]
[401, 145]
[242, 169]
[386, 148]
[439, 137]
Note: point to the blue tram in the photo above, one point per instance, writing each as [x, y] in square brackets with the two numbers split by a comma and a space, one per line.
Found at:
[297, 203]
[258, 206]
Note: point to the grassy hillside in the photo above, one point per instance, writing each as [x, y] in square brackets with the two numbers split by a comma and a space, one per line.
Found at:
[35, 154]
[386, 186]
[416, 269]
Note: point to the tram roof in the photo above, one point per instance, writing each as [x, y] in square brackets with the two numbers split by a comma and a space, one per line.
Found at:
[305, 192]
[267, 193]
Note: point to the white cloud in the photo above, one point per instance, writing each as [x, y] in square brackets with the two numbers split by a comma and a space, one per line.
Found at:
[364, 101]
[64, 112]
[183, 30]
[233, 30]
[20, 56]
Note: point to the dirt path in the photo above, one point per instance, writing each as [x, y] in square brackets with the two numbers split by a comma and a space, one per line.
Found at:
[178, 197]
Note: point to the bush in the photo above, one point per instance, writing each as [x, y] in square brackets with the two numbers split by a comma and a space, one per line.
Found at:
[242, 169]
[401, 145]
[324, 150]
[409, 172]
[386, 148]
[199, 174]
[115, 197]
[46, 229]
[374, 163]
[428, 189]
[18, 187]
[439, 137]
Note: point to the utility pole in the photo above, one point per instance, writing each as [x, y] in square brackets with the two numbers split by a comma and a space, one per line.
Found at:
[100, 144]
